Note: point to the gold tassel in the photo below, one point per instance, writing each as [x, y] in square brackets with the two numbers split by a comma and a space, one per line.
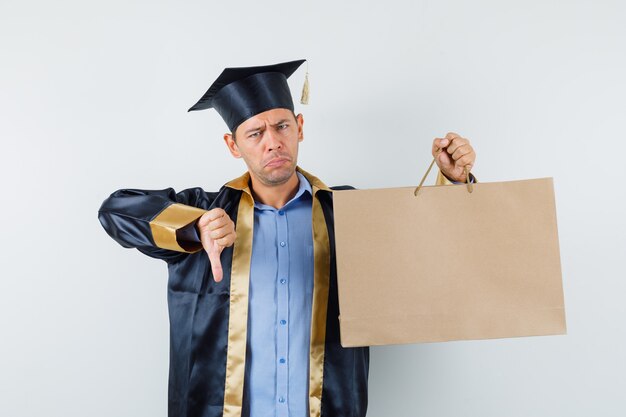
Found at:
[304, 99]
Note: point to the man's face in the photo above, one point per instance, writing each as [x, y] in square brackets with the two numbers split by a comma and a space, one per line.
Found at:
[268, 143]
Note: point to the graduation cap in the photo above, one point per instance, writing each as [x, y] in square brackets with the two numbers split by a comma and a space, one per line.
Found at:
[240, 93]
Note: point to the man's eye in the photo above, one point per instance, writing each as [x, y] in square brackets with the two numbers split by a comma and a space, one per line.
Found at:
[283, 126]
[254, 135]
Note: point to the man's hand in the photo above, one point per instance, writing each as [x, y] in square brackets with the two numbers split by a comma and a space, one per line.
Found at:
[217, 231]
[453, 153]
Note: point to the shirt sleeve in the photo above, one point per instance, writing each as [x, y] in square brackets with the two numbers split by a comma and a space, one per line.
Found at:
[159, 223]
[443, 180]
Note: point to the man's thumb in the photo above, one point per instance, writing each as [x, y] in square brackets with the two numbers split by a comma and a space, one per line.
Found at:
[216, 263]
[442, 158]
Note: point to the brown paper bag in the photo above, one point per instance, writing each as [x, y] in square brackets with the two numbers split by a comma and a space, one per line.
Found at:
[448, 264]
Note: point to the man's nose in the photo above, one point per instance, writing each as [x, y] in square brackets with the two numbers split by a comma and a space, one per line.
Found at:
[272, 140]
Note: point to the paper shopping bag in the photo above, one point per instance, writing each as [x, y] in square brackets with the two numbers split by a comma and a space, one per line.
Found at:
[448, 264]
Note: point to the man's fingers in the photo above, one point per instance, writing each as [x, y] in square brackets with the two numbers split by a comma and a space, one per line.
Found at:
[216, 263]
[204, 220]
[456, 143]
[465, 161]
[210, 216]
[215, 223]
[461, 151]
[223, 223]
[221, 232]
[218, 234]
[450, 142]
[227, 240]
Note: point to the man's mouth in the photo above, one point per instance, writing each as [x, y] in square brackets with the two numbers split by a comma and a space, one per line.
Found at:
[272, 163]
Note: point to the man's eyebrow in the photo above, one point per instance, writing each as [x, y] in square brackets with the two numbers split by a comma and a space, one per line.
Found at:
[280, 122]
[252, 129]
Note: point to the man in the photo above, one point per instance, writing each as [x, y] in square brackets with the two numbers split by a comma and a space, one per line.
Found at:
[254, 325]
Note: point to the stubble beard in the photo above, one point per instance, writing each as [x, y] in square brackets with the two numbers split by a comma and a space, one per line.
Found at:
[277, 176]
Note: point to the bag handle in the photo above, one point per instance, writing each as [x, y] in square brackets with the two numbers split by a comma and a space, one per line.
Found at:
[470, 188]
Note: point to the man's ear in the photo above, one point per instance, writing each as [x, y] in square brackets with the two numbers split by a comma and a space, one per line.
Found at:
[300, 121]
[232, 145]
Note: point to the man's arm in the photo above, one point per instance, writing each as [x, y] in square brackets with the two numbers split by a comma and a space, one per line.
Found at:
[156, 222]
[167, 225]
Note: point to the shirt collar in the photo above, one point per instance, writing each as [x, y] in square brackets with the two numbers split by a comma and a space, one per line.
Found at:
[303, 187]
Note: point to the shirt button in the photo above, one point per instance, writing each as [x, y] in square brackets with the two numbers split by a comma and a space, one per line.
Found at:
[282, 213]
[281, 400]
[283, 281]
[282, 360]
[282, 244]
[283, 322]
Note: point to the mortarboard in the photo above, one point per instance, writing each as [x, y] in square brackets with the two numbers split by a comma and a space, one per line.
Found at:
[240, 93]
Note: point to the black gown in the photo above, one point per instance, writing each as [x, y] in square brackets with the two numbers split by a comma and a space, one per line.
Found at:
[208, 319]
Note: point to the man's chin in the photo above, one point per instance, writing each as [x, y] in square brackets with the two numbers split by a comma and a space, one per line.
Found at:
[277, 176]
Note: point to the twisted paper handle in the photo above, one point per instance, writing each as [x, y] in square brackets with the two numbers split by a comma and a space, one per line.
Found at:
[470, 188]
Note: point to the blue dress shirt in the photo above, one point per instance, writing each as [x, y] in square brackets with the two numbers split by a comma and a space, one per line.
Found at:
[279, 311]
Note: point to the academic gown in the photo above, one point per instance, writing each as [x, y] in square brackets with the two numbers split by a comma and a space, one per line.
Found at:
[208, 320]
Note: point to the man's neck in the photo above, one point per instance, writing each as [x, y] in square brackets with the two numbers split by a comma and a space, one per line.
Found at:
[275, 195]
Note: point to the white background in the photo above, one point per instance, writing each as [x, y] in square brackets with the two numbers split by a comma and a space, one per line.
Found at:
[93, 97]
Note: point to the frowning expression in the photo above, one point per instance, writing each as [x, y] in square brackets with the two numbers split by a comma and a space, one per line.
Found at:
[268, 143]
